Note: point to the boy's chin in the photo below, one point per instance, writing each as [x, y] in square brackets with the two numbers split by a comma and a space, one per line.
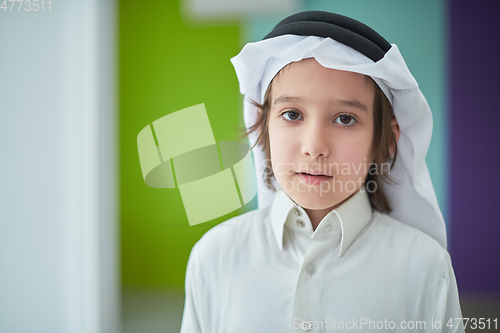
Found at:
[313, 200]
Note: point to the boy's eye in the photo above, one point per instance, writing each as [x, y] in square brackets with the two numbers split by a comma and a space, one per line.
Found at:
[345, 120]
[291, 115]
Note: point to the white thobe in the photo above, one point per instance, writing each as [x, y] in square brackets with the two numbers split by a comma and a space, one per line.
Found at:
[268, 271]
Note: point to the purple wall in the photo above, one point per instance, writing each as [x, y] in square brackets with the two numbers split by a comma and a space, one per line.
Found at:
[474, 111]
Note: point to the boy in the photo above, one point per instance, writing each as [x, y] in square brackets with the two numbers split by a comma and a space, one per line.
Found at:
[336, 243]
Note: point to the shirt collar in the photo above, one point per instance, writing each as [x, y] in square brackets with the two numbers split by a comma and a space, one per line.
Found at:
[354, 215]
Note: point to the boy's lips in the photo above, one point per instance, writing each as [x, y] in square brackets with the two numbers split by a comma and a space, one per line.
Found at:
[313, 173]
[312, 179]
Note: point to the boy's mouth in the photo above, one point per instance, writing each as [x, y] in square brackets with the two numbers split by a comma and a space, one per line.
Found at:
[313, 174]
[312, 179]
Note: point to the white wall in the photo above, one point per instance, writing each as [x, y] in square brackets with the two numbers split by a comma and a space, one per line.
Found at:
[59, 269]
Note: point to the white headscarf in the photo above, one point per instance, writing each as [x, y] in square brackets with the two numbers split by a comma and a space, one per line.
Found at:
[412, 199]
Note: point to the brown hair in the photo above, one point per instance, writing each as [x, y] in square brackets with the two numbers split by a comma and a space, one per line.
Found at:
[383, 137]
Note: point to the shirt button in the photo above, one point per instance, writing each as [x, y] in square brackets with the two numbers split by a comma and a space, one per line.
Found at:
[311, 269]
[306, 325]
[296, 211]
[327, 229]
[301, 223]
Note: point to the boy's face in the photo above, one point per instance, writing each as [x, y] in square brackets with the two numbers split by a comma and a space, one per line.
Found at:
[329, 131]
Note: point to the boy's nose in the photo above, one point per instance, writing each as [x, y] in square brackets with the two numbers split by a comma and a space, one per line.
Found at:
[315, 143]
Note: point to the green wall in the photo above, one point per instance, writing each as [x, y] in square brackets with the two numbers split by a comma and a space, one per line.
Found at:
[167, 64]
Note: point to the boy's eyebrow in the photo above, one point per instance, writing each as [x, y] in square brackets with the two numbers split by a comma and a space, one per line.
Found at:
[338, 102]
[283, 99]
[351, 103]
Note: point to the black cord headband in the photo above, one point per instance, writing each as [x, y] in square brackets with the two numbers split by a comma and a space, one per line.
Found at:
[343, 29]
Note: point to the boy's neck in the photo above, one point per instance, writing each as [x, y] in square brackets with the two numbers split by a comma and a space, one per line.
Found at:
[317, 215]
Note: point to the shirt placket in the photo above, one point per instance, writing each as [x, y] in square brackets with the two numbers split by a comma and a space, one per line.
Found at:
[310, 291]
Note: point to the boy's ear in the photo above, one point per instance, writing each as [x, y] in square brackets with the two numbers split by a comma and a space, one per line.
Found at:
[396, 131]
